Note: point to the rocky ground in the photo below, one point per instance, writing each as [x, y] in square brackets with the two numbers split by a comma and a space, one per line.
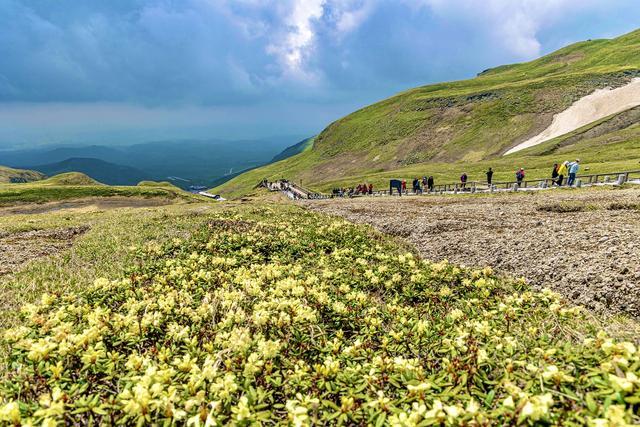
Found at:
[584, 244]
[17, 249]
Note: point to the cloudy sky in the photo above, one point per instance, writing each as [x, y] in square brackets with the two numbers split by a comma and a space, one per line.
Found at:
[86, 71]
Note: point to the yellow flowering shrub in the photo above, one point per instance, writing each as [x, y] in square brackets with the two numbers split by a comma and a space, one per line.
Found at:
[296, 318]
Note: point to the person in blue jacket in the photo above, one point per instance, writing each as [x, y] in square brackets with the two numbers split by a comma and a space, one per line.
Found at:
[574, 167]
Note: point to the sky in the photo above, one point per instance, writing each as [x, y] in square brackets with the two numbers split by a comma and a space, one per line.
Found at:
[126, 71]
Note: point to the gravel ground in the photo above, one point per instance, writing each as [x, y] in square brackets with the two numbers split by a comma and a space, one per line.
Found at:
[584, 244]
[17, 249]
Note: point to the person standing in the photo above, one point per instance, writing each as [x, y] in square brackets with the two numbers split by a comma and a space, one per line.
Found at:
[415, 184]
[574, 167]
[520, 176]
[370, 189]
[489, 176]
[463, 180]
[404, 186]
[562, 172]
[430, 184]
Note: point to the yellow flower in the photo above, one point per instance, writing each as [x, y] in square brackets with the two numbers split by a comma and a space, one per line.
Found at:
[456, 314]
[537, 407]
[552, 372]
[10, 413]
[40, 350]
[445, 291]
[508, 402]
[625, 383]
[419, 387]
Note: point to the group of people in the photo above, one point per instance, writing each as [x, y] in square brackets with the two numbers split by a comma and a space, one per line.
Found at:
[360, 189]
[568, 169]
[424, 184]
[560, 171]
[418, 185]
[364, 189]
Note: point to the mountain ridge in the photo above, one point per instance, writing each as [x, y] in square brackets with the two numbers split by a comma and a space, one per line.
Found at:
[99, 170]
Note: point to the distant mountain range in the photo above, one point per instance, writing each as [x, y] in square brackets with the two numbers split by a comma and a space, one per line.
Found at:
[104, 172]
[185, 163]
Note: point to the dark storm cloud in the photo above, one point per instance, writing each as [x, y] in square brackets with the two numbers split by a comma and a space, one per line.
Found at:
[287, 63]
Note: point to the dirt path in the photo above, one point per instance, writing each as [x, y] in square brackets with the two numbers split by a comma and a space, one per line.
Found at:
[584, 244]
[90, 204]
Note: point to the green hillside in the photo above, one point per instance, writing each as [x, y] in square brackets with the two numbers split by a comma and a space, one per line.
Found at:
[70, 178]
[75, 185]
[9, 175]
[446, 128]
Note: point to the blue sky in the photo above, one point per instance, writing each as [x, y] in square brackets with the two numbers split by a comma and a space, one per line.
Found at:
[118, 71]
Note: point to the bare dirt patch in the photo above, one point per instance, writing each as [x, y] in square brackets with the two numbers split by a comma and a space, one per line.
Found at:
[591, 255]
[19, 248]
[91, 204]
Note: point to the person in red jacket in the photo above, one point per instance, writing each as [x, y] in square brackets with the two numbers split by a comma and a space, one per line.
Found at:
[520, 176]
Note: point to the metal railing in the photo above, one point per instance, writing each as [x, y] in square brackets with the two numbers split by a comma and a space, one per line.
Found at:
[478, 186]
[475, 186]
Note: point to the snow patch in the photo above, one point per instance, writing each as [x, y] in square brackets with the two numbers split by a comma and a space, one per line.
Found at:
[593, 107]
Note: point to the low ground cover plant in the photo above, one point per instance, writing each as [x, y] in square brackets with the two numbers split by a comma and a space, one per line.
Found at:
[277, 315]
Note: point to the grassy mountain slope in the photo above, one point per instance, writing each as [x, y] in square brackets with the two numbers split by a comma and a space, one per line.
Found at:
[293, 150]
[75, 185]
[445, 128]
[8, 175]
[69, 178]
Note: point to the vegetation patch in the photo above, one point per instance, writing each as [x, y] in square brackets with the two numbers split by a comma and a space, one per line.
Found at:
[565, 207]
[292, 317]
[624, 206]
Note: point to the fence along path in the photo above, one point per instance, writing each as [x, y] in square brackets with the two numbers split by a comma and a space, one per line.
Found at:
[290, 189]
[295, 191]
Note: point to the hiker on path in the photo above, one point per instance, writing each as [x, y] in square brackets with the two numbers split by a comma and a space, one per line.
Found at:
[463, 180]
[562, 172]
[554, 174]
[430, 184]
[416, 186]
[574, 167]
[489, 176]
[370, 189]
[425, 184]
[404, 186]
[520, 176]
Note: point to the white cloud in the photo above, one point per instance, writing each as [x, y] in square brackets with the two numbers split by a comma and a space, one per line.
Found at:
[298, 36]
[295, 37]
[512, 23]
